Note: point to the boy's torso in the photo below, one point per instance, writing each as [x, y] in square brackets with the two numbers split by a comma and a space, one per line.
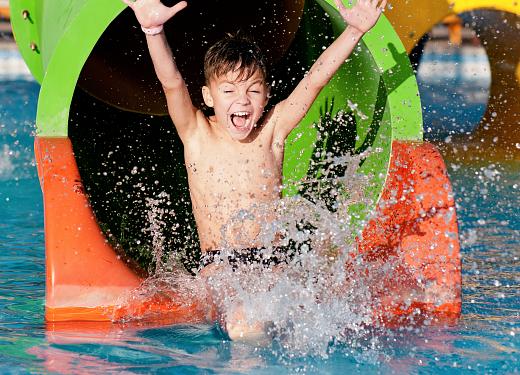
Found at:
[233, 185]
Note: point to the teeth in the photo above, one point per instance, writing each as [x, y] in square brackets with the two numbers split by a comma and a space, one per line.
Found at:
[240, 114]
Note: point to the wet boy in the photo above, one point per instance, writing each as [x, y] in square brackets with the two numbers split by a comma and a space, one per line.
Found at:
[234, 157]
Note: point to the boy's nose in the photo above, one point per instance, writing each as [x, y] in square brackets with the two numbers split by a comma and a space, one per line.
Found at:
[243, 98]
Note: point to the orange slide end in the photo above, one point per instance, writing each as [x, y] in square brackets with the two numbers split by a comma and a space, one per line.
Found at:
[85, 279]
[416, 222]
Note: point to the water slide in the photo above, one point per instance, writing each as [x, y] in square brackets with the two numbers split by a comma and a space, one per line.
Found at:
[496, 24]
[104, 145]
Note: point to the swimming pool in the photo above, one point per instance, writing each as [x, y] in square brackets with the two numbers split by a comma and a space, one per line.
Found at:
[486, 340]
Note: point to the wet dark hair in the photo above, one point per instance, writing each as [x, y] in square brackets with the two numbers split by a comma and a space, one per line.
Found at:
[235, 52]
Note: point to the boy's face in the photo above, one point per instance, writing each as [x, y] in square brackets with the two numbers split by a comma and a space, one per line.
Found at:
[238, 103]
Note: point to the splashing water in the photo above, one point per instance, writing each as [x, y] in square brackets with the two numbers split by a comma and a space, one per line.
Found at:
[156, 214]
[327, 293]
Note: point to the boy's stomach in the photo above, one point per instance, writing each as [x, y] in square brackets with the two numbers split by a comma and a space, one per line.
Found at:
[234, 225]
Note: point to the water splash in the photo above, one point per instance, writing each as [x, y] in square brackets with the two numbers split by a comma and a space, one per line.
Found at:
[156, 214]
[325, 295]
[327, 298]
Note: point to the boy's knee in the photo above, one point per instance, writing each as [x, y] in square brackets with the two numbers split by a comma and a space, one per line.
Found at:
[239, 329]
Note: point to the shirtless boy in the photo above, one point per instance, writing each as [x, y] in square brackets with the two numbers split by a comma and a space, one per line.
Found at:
[234, 163]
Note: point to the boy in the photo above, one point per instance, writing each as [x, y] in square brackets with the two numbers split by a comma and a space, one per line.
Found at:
[234, 158]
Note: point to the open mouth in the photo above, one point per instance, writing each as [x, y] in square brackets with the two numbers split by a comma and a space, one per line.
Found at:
[239, 119]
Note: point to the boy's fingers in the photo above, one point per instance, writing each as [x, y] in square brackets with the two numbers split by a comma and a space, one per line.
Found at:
[383, 5]
[340, 5]
[178, 7]
[128, 2]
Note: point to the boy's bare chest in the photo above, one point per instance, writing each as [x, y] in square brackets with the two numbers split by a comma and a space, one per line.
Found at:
[249, 172]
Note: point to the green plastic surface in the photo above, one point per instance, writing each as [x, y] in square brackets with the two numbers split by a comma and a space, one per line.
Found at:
[26, 22]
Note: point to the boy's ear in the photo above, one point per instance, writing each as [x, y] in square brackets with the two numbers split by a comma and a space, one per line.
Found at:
[206, 95]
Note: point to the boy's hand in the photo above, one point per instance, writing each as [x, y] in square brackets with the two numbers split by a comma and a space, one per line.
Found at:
[152, 13]
[363, 15]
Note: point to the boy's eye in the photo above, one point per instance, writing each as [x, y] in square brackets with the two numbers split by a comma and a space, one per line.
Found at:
[227, 89]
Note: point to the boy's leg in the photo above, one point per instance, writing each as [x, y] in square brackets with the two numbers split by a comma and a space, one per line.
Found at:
[229, 311]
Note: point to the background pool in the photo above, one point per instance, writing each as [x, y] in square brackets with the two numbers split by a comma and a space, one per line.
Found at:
[486, 340]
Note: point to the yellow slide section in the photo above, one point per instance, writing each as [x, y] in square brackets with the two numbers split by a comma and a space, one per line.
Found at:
[498, 133]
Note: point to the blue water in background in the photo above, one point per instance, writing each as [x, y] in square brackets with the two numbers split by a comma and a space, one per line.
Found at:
[454, 84]
[486, 340]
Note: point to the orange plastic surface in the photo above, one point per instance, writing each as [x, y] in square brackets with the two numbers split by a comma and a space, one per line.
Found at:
[417, 223]
[86, 280]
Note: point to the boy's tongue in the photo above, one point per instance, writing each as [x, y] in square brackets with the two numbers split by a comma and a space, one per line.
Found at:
[238, 121]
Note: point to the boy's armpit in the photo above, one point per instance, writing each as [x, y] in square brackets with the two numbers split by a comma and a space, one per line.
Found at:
[187, 124]
[285, 118]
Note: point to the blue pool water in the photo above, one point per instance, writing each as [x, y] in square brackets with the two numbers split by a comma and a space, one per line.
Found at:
[486, 340]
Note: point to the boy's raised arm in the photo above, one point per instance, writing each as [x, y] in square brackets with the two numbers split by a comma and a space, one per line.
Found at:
[361, 18]
[152, 15]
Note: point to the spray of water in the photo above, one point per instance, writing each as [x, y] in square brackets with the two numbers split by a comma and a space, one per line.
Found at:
[319, 296]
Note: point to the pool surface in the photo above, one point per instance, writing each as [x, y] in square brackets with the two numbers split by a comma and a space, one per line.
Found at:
[485, 340]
